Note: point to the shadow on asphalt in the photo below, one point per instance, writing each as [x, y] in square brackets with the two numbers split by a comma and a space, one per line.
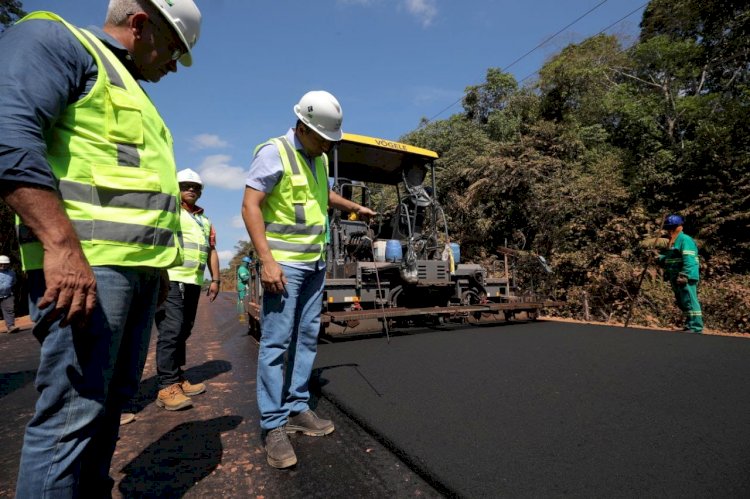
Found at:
[178, 460]
[10, 382]
[413, 329]
[197, 374]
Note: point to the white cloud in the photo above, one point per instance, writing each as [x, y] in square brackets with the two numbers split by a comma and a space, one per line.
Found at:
[216, 170]
[424, 10]
[237, 222]
[225, 256]
[208, 141]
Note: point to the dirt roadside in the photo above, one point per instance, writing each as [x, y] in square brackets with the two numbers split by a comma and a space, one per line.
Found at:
[23, 323]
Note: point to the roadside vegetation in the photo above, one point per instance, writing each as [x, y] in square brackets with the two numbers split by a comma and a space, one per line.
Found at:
[583, 163]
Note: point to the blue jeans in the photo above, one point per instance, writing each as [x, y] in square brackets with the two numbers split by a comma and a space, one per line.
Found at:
[7, 305]
[289, 324]
[84, 378]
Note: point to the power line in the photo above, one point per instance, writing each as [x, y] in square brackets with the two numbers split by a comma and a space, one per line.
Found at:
[561, 30]
[599, 33]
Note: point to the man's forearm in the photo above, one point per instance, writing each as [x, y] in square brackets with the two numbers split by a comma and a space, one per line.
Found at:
[341, 203]
[41, 210]
[213, 265]
[256, 228]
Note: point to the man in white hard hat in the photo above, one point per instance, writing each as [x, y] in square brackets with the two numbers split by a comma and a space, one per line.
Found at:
[87, 163]
[7, 298]
[284, 208]
[176, 316]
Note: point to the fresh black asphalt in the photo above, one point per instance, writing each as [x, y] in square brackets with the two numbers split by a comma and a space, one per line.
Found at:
[542, 409]
[553, 409]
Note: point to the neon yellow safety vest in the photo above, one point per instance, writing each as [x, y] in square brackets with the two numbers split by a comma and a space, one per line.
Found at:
[112, 155]
[295, 210]
[196, 230]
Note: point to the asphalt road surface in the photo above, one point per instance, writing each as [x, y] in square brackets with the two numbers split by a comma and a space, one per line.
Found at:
[214, 449]
[541, 409]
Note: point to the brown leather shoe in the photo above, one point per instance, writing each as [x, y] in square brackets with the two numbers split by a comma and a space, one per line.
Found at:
[190, 389]
[172, 398]
[279, 451]
[310, 424]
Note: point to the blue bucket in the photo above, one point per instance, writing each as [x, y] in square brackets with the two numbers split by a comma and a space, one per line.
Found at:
[456, 250]
[393, 251]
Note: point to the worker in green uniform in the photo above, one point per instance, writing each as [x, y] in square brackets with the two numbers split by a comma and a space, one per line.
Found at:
[680, 262]
[243, 281]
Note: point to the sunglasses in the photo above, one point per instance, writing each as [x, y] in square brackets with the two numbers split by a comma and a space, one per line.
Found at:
[188, 187]
[173, 46]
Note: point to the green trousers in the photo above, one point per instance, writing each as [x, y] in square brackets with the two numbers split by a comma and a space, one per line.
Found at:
[687, 300]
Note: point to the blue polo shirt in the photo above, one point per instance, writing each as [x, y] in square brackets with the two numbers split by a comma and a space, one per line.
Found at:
[7, 281]
[44, 70]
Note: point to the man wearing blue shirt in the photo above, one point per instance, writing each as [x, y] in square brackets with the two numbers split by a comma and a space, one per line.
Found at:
[86, 162]
[285, 212]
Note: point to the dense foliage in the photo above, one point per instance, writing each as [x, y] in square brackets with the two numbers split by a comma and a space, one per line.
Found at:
[583, 164]
[10, 12]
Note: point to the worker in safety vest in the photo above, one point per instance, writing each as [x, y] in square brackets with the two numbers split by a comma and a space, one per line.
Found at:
[86, 162]
[284, 208]
[176, 316]
[681, 269]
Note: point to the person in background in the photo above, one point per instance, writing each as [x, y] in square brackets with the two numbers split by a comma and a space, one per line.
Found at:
[86, 162]
[7, 298]
[681, 269]
[176, 316]
[284, 209]
[243, 282]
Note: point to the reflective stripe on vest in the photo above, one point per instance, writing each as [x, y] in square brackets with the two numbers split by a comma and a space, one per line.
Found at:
[113, 158]
[294, 212]
[196, 230]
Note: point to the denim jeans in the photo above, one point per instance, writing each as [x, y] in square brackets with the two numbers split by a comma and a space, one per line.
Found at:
[174, 320]
[7, 305]
[84, 378]
[290, 324]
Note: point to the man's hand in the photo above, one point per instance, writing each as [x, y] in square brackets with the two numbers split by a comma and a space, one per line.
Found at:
[681, 280]
[71, 286]
[272, 277]
[364, 211]
[213, 291]
[70, 282]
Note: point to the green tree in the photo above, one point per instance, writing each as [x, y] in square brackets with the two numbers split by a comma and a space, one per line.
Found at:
[10, 12]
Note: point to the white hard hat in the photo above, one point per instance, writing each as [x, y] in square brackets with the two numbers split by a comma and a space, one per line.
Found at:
[188, 175]
[321, 112]
[185, 19]
[4, 259]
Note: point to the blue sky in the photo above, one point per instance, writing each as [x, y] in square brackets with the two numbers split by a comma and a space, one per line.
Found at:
[389, 63]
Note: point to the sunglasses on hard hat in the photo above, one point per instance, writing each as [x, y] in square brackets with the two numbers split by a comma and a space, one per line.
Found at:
[184, 186]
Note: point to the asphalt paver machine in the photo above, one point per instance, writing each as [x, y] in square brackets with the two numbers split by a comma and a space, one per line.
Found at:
[400, 269]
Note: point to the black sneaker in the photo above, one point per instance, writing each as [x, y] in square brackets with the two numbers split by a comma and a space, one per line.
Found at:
[310, 424]
[279, 451]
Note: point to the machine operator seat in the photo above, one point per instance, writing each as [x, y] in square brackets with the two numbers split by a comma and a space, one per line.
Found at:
[411, 212]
